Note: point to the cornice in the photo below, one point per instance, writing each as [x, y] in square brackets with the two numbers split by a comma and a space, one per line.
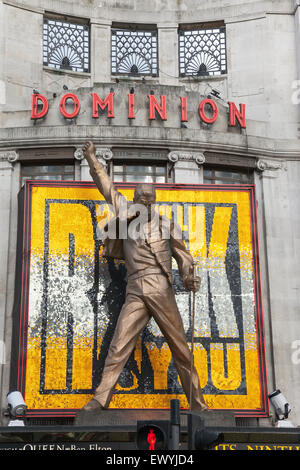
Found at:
[148, 137]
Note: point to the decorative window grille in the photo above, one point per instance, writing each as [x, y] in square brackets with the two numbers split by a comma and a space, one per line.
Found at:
[66, 45]
[134, 52]
[202, 51]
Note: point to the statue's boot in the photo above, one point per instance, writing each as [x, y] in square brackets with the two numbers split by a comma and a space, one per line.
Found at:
[92, 405]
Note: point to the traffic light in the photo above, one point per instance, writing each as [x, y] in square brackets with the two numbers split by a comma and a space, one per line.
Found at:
[201, 437]
[153, 435]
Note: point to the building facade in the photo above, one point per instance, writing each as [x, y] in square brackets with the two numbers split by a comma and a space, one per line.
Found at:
[170, 92]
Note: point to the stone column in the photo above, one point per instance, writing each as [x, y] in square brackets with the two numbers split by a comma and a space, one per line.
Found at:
[280, 200]
[168, 53]
[296, 84]
[9, 185]
[297, 28]
[101, 50]
[2, 58]
[188, 166]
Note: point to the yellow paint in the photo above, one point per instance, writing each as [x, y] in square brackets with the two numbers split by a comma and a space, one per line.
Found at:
[70, 218]
[219, 237]
[197, 232]
[56, 362]
[200, 361]
[160, 359]
[234, 376]
[82, 363]
[37, 401]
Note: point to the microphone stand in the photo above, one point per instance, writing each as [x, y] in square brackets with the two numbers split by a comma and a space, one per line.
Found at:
[192, 344]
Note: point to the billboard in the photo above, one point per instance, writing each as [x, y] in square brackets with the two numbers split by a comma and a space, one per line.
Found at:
[68, 298]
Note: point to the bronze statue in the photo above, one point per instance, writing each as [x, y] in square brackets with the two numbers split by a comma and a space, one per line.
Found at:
[149, 291]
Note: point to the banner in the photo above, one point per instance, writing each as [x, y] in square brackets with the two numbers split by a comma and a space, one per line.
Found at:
[68, 298]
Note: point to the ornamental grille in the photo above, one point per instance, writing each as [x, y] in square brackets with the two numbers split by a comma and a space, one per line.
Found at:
[66, 45]
[134, 52]
[202, 52]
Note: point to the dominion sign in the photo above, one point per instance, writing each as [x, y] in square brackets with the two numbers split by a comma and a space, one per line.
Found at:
[68, 298]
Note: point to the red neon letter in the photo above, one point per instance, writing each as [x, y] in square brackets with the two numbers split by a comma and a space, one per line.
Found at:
[214, 108]
[131, 106]
[34, 113]
[62, 106]
[161, 109]
[109, 102]
[184, 117]
[234, 114]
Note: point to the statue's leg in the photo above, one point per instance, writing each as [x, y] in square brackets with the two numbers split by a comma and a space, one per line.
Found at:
[133, 318]
[164, 310]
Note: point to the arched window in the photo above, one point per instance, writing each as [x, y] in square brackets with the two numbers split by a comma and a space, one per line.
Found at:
[134, 51]
[66, 44]
[202, 50]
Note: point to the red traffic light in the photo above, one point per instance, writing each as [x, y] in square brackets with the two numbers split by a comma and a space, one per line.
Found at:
[152, 435]
[151, 438]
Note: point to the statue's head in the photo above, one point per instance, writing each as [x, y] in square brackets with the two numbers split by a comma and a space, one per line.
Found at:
[145, 194]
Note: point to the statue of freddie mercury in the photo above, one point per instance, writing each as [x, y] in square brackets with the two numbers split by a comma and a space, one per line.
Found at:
[149, 291]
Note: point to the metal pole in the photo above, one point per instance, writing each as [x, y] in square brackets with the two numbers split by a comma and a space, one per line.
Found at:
[175, 425]
[192, 344]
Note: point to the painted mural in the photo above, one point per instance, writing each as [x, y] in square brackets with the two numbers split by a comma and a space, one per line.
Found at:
[68, 298]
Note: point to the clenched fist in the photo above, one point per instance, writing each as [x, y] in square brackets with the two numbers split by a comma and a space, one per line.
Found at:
[88, 149]
[192, 282]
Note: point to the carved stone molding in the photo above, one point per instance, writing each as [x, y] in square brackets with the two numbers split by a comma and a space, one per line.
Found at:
[199, 158]
[78, 154]
[175, 156]
[268, 165]
[10, 156]
[103, 154]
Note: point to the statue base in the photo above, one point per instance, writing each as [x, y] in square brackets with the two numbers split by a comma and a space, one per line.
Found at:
[126, 419]
[118, 418]
[218, 418]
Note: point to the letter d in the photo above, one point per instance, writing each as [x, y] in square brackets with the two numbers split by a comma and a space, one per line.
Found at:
[34, 112]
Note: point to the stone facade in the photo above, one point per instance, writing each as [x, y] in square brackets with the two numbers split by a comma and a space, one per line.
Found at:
[263, 61]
